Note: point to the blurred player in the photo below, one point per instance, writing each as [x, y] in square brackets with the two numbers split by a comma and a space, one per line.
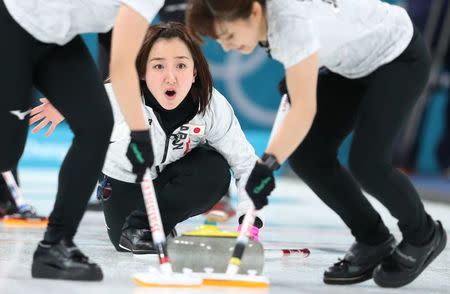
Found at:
[44, 49]
[375, 67]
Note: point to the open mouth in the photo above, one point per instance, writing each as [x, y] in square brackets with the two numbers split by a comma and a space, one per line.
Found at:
[170, 93]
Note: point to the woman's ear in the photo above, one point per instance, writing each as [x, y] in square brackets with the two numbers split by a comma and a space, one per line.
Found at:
[257, 9]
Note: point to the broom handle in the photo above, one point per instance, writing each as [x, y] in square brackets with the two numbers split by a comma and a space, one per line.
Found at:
[13, 188]
[156, 226]
[249, 218]
[241, 242]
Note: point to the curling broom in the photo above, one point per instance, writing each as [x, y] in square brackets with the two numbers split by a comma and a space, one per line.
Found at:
[20, 219]
[164, 277]
[231, 277]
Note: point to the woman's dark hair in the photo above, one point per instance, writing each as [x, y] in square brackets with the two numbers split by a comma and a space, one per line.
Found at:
[201, 90]
[201, 15]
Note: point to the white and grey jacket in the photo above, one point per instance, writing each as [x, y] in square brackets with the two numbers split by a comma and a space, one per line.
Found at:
[218, 127]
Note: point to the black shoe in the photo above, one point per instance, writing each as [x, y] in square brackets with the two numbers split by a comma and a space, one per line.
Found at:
[408, 261]
[359, 262]
[139, 241]
[63, 261]
[7, 208]
[27, 211]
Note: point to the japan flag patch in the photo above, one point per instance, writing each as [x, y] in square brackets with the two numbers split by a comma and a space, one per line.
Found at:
[197, 130]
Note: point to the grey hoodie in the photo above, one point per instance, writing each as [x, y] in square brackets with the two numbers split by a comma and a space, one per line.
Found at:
[218, 127]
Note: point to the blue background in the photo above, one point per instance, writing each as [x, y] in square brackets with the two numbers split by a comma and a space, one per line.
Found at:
[250, 83]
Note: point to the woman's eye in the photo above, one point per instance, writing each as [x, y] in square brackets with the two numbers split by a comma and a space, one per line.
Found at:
[158, 66]
[181, 65]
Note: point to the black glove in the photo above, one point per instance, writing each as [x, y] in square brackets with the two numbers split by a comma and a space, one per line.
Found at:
[140, 153]
[261, 182]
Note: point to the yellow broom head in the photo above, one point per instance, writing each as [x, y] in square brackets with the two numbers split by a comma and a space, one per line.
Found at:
[155, 278]
[227, 280]
[11, 221]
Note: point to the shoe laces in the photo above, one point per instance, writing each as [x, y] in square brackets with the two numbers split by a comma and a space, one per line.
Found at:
[144, 235]
[342, 263]
[77, 255]
[75, 252]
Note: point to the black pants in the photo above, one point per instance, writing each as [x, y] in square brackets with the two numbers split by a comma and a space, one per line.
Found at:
[375, 108]
[443, 152]
[173, 10]
[103, 54]
[185, 188]
[67, 76]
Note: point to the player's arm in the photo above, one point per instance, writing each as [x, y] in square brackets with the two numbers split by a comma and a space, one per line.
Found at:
[129, 31]
[301, 82]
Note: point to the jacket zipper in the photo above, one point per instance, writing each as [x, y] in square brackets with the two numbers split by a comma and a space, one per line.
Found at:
[166, 148]
[168, 135]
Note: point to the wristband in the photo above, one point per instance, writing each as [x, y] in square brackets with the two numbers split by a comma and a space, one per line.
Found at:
[270, 161]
